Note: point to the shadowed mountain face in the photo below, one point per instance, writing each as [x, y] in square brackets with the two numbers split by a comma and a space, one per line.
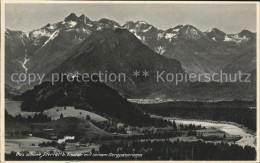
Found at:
[118, 52]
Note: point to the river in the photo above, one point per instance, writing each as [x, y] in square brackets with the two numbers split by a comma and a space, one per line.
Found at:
[247, 138]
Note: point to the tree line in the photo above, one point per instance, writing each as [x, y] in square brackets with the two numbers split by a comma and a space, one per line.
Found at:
[180, 150]
[156, 150]
[234, 111]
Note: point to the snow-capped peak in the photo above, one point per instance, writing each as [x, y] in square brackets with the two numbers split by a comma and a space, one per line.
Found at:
[178, 26]
[190, 32]
[141, 22]
[52, 36]
[71, 17]
[84, 18]
[129, 25]
[246, 33]
[215, 34]
[72, 24]
[175, 29]
[214, 30]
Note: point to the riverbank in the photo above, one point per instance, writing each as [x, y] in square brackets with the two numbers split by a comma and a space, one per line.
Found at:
[244, 128]
[229, 127]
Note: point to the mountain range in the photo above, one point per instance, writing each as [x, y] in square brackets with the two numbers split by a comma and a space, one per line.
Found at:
[198, 51]
[80, 44]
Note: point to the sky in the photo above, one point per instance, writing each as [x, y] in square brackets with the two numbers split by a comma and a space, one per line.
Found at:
[230, 18]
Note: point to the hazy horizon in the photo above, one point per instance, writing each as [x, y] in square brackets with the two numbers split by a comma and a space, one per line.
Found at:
[230, 18]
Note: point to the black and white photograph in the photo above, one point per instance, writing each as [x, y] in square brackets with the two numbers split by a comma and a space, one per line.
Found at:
[129, 81]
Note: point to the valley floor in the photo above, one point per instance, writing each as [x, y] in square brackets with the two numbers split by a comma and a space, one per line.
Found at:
[209, 132]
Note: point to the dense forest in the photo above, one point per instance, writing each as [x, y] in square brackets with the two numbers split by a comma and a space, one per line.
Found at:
[91, 96]
[156, 150]
[180, 150]
[36, 118]
[241, 112]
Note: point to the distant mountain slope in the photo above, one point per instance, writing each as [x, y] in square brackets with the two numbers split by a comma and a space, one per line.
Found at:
[198, 51]
[242, 37]
[10, 92]
[245, 61]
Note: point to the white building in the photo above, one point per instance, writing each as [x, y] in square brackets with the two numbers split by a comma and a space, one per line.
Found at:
[66, 138]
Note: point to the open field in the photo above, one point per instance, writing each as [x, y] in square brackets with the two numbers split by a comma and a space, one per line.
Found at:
[69, 111]
[14, 108]
[75, 148]
[26, 144]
